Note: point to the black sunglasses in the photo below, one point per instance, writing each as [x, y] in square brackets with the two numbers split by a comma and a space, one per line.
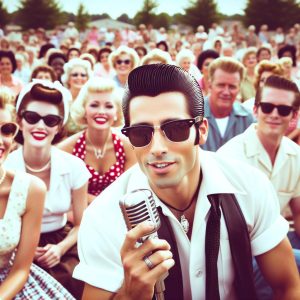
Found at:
[175, 131]
[79, 74]
[32, 117]
[125, 61]
[9, 129]
[283, 110]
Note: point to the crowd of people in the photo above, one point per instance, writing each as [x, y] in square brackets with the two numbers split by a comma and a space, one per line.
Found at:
[77, 110]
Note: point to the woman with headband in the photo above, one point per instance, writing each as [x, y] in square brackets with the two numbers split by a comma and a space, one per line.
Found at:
[21, 207]
[42, 112]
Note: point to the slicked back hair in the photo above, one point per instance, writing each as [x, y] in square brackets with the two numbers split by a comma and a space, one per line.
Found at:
[280, 83]
[154, 79]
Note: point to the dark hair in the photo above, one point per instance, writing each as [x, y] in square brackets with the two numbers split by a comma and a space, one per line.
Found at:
[72, 49]
[288, 48]
[164, 44]
[142, 48]
[43, 68]
[204, 55]
[260, 49]
[56, 55]
[154, 79]
[10, 55]
[44, 49]
[103, 50]
[281, 83]
[44, 94]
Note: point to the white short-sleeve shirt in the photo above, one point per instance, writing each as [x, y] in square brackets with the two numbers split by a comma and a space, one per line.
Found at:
[68, 173]
[102, 231]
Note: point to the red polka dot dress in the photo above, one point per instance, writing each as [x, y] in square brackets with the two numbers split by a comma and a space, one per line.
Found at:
[97, 183]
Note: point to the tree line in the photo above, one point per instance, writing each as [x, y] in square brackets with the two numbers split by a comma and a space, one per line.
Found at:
[48, 14]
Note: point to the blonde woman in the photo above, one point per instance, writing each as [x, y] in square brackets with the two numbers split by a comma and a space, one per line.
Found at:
[22, 199]
[249, 60]
[106, 153]
[157, 56]
[76, 73]
[42, 111]
[123, 60]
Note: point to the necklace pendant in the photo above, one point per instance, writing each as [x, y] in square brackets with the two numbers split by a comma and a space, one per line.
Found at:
[98, 153]
[184, 224]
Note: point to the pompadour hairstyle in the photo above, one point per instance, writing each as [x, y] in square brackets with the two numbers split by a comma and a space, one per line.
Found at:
[154, 79]
[281, 83]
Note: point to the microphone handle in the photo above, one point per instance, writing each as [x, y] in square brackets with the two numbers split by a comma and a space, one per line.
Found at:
[159, 287]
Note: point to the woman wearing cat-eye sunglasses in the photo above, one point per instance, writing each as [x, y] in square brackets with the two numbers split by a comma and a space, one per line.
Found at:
[42, 112]
[22, 201]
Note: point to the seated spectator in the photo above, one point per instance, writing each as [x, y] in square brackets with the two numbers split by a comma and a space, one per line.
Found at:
[56, 59]
[73, 53]
[22, 71]
[185, 59]
[156, 56]
[204, 60]
[123, 60]
[42, 111]
[247, 86]
[43, 72]
[263, 53]
[106, 153]
[90, 58]
[8, 65]
[263, 70]
[103, 67]
[22, 202]
[226, 116]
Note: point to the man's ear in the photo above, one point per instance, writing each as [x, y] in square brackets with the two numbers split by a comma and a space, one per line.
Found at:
[255, 111]
[203, 131]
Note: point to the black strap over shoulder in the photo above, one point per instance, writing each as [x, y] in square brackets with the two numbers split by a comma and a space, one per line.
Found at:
[239, 245]
[173, 283]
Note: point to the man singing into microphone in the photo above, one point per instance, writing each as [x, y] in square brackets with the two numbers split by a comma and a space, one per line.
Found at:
[163, 112]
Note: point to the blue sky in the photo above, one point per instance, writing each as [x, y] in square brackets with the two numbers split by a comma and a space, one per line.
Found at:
[116, 8]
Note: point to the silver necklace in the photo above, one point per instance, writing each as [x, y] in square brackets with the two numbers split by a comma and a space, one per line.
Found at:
[99, 153]
[45, 167]
[184, 222]
[3, 177]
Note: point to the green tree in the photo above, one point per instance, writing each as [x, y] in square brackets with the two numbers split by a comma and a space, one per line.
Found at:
[274, 13]
[201, 12]
[162, 20]
[82, 18]
[146, 15]
[4, 16]
[124, 18]
[39, 13]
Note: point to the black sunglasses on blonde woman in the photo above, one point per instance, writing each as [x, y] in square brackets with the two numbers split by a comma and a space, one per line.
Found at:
[9, 130]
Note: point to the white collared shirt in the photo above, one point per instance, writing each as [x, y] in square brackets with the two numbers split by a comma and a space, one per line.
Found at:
[68, 173]
[103, 229]
[284, 174]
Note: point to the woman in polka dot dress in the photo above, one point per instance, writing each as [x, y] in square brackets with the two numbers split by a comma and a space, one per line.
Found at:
[106, 153]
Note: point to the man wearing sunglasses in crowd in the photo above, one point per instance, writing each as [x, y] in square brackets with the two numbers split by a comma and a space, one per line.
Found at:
[264, 146]
[163, 110]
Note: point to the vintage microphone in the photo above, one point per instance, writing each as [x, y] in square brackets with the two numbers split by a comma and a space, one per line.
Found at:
[139, 206]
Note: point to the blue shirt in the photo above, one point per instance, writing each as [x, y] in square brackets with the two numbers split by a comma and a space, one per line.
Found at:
[239, 120]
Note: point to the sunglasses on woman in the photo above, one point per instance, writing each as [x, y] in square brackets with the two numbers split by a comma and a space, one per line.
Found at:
[9, 129]
[283, 110]
[175, 131]
[125, 61]
[32, 117]
[83, 75]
